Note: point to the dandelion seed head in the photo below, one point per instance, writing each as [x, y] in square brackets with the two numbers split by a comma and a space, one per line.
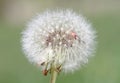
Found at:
[61, 38]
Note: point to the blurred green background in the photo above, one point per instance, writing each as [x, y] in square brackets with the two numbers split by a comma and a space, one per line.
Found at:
[104, 67]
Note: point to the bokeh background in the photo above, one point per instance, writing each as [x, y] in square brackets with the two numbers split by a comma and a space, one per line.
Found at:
[104, 67]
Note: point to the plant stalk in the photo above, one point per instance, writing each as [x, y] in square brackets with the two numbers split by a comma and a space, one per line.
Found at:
[53, 76]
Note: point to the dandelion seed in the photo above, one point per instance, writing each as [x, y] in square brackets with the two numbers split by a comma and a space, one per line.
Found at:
[58, 41]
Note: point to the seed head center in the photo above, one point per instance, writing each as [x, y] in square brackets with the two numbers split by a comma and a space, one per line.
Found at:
[61, 38]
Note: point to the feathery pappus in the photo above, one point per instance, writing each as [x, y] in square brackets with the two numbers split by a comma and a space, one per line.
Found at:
[60, 39]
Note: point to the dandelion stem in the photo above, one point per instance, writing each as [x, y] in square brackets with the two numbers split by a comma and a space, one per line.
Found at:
[53, 76]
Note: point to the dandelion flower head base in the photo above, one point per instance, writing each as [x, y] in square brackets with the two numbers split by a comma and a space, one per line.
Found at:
[59, 40]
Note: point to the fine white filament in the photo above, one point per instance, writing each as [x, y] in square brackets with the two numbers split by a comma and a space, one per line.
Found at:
[61, 38]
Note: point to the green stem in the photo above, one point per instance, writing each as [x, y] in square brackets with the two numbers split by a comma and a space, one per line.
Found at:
[53, 76]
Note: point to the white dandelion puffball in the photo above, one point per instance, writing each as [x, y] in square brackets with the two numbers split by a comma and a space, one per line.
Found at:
[60, 39]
